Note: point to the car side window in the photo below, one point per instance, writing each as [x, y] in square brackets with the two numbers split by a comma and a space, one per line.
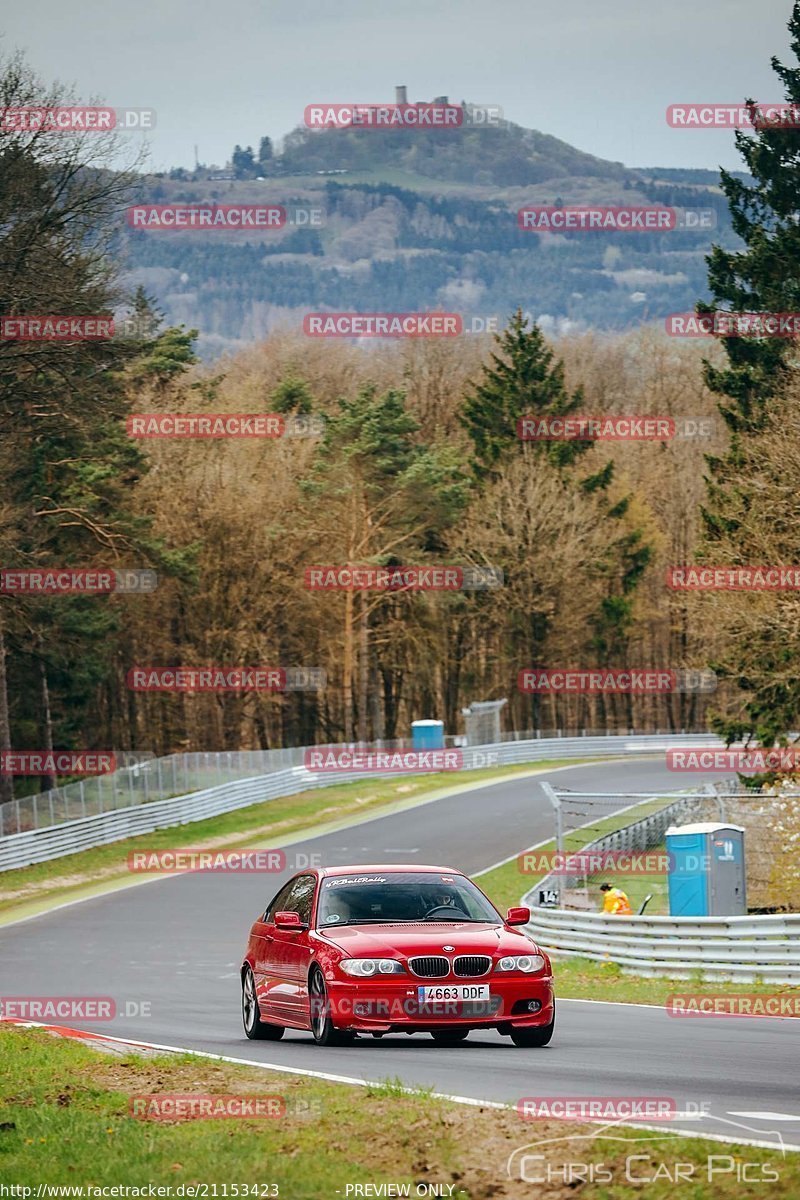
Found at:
[301, 897]
[277, 904]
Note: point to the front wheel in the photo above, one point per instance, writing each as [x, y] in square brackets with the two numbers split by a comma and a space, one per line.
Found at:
[534, 1035]
[322, 1027]
[254, 1027]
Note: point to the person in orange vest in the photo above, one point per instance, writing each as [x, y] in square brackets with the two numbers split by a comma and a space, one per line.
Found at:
[615, 901]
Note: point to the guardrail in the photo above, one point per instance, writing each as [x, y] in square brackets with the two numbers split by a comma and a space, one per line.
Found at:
[734, 948]
[142, 778]
[54, 841]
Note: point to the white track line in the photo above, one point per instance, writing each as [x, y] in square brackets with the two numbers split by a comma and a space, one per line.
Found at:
[357, 1081]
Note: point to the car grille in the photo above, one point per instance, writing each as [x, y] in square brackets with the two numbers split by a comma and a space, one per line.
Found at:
[470, 965]
[432, 966]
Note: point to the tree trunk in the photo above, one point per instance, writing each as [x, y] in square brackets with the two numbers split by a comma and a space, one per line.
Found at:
[49, 780]
[363, 671]
[6, 781]
[347, 667]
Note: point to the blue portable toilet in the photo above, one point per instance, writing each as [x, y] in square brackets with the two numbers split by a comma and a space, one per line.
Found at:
[427, 735]
[706, 870]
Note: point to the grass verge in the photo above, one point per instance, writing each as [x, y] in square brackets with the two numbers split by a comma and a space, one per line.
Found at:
[65, 1120]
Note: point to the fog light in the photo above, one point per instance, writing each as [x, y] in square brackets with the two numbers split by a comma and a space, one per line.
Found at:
[534, 1005]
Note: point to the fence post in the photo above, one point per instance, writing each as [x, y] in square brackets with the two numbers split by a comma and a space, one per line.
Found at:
[711, 790]
[549, 791]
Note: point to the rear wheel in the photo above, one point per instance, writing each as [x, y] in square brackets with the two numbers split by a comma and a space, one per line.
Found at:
[254, 1027]
[534, 1035]
[322, 1027]
[449, 1037]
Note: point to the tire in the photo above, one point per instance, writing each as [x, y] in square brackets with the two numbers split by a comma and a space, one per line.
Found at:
[254, 1027]
[535, 1035]
[323, 1029]
[449, 1037]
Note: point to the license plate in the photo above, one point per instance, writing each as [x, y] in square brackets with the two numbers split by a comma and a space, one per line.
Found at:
[456, 991]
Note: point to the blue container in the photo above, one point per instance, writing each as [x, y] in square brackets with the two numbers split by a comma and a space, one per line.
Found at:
[706, 870]
[427, 735]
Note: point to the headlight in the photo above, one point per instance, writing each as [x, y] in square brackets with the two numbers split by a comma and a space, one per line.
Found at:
[521, 962]
[372, 966]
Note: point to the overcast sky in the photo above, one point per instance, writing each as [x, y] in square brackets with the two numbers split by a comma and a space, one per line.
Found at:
[596, 73]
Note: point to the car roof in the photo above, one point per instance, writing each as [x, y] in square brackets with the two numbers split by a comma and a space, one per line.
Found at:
[385, 868]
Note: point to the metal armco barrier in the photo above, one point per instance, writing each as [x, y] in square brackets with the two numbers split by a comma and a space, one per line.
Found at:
[732, 948]
[55, 841]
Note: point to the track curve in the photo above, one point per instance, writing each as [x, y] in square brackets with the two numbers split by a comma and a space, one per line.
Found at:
[177, 943]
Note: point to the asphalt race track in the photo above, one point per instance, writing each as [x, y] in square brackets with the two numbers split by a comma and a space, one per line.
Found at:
[177, 943]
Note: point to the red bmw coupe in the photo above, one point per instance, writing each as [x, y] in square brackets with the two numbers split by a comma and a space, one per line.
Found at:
[393, 949]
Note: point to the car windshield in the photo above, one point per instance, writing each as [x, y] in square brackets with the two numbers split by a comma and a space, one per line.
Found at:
[402, 896]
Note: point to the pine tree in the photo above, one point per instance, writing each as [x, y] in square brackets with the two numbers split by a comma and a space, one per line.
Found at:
[524, 379]
[765, 275]
[762, 277]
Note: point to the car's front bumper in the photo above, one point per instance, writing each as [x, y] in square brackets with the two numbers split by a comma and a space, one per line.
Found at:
[377, 1005]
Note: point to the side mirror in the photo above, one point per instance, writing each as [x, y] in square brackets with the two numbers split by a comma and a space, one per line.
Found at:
[288, 920]
[518, 916]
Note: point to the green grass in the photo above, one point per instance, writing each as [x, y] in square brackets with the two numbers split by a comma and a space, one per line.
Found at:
[506, 884]
[65, 1120]
[270, 823]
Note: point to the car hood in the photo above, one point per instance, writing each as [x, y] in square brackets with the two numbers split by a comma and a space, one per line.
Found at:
[427, 938]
